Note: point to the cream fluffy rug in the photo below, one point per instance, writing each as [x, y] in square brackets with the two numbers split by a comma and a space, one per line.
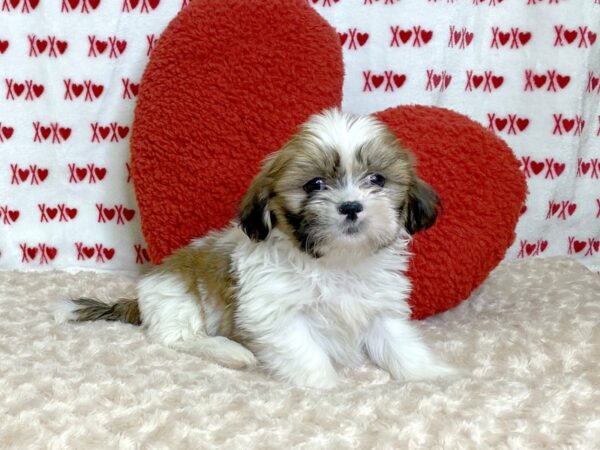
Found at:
[529, 341]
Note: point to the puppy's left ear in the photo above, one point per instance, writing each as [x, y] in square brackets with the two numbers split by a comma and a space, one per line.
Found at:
[422, 208]
[254, 215]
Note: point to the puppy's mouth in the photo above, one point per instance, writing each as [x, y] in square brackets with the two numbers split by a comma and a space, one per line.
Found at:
[351, 228]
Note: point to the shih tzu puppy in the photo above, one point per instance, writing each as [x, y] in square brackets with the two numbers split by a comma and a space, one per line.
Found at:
[310, 277]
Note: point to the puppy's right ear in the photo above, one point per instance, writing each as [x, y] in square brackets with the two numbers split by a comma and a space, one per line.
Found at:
[255, 215]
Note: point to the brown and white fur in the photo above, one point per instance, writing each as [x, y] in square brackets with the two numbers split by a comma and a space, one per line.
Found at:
[310, 278]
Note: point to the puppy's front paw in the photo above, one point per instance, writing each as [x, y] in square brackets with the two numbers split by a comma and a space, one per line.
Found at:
[324, 378]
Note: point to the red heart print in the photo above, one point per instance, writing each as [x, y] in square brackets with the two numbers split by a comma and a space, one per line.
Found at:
[595, 81]
[14, 3]
[153, 3]
[405, 35]
[399, 80]
[559, 168]
[477, 80]
[128, 214]
[572, 208]
[19, 88]
[109, 253]
[522, 123]
[51, 252]
[45, 132]
[3, 46]
[123, 131]
[504, 37]
[501, 123]
[570, 35]
[38, 90]
[568, 124]
[94, 3]
[73, 3]
[447, 80]
[585, 167]
[61, 46]
[14, 215]
[524, 37]
[34, 3]
[8, 132]
[23, 174]
[537, 167]
[457, 35]
[362, 38]
[104, 132]
[100, 172]
[343, 37]
[52, 212]
[529, 248]
[578, 246]
[101, 46]
[71, 212]
[81, 173]
[563, 80]
[543, 245]
[42, 174]
[97, 89]
[41, 45]
[65, 133]
[77, 89]
[133, 3]
[497, 81]
[597, 245]
[555, 208]
[426, 35]
[468, 38]
[377, 80]
[88, 251]
[539, 80]
[592, 37]
[32, 252]
[109, 213]
[121, 46]
[134, 88]
[436, 80]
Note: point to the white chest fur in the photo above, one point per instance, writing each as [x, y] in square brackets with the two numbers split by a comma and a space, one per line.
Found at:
[336, 301]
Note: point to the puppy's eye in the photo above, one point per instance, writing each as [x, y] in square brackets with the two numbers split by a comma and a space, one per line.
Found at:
[316, 184]
[377, 179]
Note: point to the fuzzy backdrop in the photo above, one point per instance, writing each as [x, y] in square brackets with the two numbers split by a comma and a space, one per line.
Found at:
[529, 70]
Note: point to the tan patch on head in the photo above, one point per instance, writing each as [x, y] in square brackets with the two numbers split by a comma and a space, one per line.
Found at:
[302, 159]
[383, 154]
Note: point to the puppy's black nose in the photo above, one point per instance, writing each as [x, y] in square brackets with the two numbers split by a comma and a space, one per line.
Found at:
[350, 209]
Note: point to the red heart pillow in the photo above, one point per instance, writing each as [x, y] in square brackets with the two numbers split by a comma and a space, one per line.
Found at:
[482, 190]
[229, 82]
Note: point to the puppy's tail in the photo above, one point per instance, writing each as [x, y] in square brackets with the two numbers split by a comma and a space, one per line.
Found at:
[87, 309]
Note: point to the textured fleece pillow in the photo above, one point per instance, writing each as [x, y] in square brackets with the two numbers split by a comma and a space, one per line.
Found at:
[482, 192]
[229, 82]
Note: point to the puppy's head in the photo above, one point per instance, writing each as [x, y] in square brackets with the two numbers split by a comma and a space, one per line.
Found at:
[342, 183]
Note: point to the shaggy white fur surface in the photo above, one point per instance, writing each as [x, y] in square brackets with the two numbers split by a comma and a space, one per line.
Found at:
[528, 340]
